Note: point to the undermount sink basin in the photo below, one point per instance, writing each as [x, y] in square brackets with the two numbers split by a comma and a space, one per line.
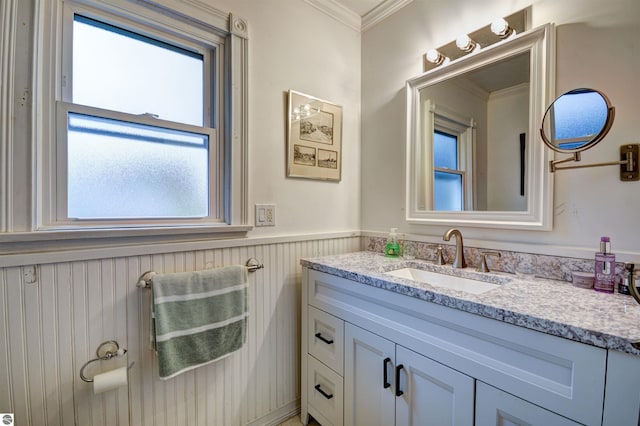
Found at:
[442, 280]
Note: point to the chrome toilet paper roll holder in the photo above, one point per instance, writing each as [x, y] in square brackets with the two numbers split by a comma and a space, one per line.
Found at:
[105, 351]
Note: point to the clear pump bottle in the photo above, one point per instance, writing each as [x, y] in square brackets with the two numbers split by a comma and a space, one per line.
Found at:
[605, 267]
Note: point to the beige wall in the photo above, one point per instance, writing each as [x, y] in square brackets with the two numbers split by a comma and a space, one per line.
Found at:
[507, 117]
[294, 46]
[597, 46]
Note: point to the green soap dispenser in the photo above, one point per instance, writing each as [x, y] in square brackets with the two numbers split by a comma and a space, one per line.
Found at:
[392, 248]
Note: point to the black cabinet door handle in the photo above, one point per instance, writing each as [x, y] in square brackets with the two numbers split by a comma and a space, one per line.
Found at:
[319, 336]
[398, 391]
[385, 379]
[326, 395]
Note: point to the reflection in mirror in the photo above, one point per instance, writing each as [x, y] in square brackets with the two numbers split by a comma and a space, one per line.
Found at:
[473, 122]
[472, 157]
[577, 120]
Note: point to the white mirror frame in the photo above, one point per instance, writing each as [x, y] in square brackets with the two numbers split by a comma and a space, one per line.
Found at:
[539, 181]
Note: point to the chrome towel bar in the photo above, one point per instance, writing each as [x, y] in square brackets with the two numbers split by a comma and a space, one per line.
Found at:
[145, 279]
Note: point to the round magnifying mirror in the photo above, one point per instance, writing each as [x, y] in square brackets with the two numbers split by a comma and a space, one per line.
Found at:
[577, 120]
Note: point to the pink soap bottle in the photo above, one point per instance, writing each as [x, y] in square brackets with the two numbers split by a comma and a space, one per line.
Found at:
[605, 267]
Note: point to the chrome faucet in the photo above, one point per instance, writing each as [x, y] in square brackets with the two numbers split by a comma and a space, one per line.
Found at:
[459, 261]
[630, 279]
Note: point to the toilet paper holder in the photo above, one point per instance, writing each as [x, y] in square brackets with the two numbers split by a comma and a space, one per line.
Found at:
[106, 351]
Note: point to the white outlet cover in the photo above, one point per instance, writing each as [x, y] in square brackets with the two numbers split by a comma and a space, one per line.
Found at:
[265, 215]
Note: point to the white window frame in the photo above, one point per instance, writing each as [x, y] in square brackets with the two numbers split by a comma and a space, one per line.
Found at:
[439, 118]
[219, 34]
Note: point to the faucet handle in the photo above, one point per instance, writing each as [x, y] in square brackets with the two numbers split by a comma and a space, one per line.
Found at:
[483, 262]
[440, 260]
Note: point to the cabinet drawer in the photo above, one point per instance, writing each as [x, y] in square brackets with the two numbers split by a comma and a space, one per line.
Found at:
[325, 393]
[496, 407]
[326, 339]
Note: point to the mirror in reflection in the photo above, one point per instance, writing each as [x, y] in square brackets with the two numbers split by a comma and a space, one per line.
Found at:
[577, 120]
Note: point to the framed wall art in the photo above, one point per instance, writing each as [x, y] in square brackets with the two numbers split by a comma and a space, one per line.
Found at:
[314, 138]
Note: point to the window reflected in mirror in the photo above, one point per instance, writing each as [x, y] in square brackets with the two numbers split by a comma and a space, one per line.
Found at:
[575, 119]
[448, 178]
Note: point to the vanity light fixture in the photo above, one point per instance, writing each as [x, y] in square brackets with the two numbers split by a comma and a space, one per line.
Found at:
[494, 32]
[502, 29]
[465, 43]
[435, 57]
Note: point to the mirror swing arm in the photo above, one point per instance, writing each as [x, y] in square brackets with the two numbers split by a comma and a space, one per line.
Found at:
[628, 161]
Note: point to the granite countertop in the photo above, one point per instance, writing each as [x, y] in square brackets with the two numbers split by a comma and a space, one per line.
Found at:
[610, 321]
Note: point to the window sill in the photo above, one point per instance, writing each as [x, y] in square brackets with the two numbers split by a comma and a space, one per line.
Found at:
[105, 242]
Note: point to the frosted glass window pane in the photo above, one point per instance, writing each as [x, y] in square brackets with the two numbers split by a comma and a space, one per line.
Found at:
[445, 151]
[123, 71]
[120, 170]
[447, 190]
[579, 116]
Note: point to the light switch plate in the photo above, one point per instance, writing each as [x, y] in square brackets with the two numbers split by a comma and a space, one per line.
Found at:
[265, 215]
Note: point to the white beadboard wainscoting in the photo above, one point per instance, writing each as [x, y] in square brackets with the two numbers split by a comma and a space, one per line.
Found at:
[50, 327]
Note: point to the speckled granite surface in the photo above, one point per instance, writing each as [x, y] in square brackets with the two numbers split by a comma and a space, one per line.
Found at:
[542, 266]
[609, 321]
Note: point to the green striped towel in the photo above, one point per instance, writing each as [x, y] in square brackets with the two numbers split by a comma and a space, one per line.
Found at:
[198, 317]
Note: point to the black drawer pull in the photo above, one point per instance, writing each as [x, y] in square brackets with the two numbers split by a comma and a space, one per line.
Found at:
[319, 336]
[385, 379]
[326, 395]
[398, 391]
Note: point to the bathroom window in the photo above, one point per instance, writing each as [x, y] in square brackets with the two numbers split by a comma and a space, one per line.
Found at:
[141, 132]
[448, 178]
[452, 161]
[142, 149]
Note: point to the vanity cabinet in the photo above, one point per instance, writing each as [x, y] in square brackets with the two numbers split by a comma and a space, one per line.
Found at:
[450, 366]
[387, 384]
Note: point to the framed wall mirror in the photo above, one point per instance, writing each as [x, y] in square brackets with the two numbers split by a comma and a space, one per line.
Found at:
[473, 152]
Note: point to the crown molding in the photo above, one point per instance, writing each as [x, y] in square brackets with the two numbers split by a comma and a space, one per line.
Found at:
[351, 19]
[381, 12]
[338, 12]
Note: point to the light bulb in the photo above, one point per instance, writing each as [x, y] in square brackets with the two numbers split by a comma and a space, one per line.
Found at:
[465, 43]
[435, 57]
[501, 28]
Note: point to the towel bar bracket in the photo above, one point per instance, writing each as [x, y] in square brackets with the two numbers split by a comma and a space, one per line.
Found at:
[253, 264]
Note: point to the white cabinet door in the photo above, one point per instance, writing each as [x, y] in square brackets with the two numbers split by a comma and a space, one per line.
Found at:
[368, 399]
[495, 407]
[433, 394]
